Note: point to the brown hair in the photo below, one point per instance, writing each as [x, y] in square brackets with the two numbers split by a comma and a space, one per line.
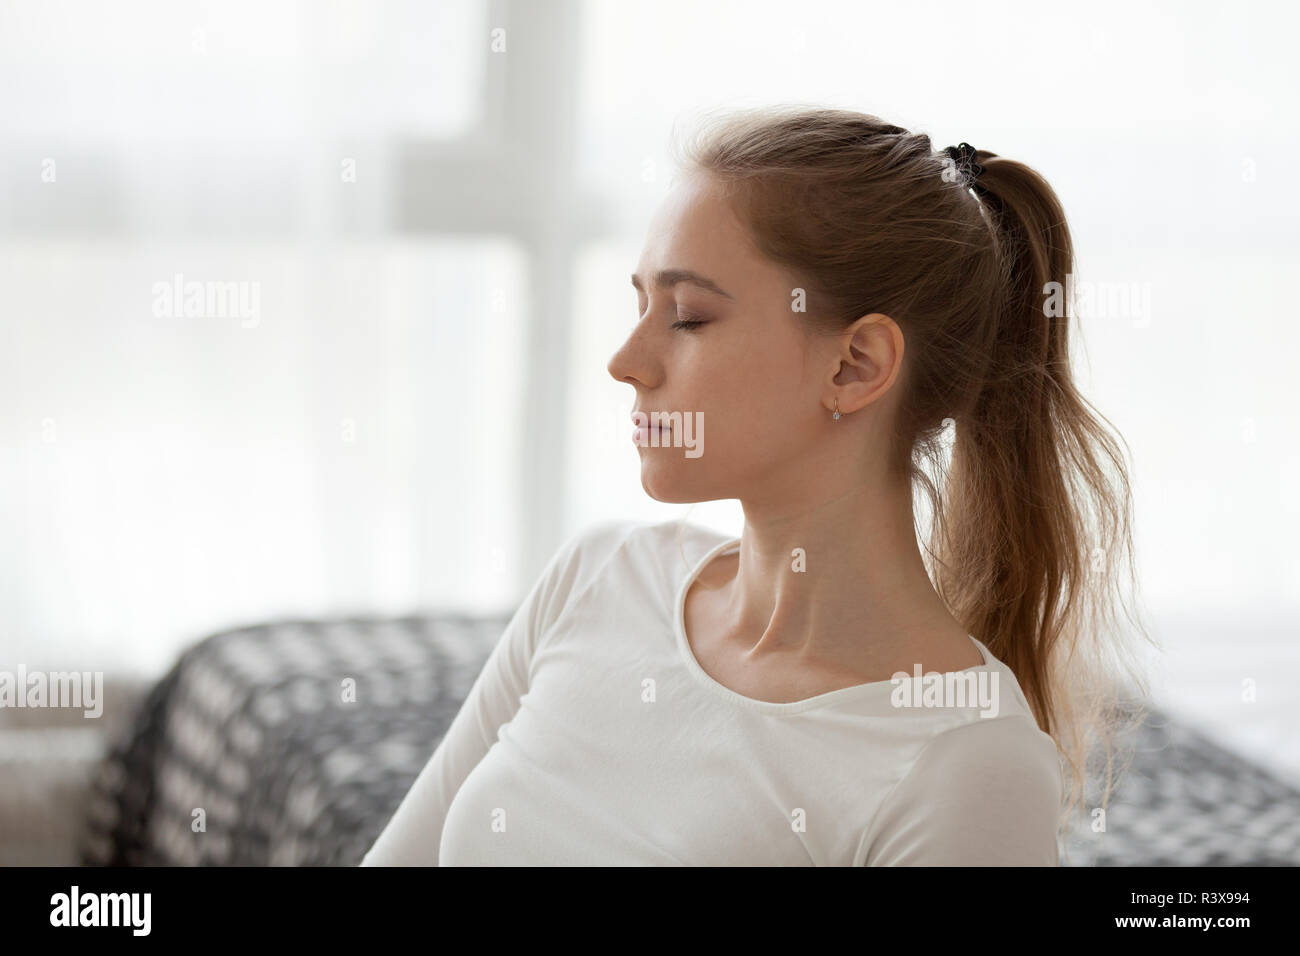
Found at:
[1030, 519]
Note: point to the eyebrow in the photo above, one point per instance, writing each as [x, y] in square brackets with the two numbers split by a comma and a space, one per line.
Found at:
[666, 278]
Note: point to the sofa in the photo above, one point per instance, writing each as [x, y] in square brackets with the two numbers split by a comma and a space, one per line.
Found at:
[291, 743]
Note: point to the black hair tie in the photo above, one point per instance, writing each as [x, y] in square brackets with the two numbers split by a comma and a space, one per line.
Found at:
[963, 155]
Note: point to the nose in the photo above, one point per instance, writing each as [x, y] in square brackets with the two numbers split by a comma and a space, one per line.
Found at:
[628, 363]
[617, 365]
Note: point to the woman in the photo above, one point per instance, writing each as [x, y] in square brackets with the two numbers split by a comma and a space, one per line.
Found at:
[846, 308]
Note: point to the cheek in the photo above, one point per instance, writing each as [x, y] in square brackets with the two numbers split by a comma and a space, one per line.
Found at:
[758, 381]
[755, 410]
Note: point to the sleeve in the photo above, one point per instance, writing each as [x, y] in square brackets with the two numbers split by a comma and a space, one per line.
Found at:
[414, 834]
[987, 793]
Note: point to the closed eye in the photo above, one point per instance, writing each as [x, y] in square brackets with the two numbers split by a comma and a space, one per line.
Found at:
[688, 321]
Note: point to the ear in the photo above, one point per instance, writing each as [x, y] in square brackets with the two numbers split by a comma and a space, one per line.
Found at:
[867, 360]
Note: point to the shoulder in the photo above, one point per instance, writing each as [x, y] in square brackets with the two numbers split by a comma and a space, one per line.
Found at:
[683, 538]
[586, 552]
[601, 536]
[1012, 747]
[573, 568]
[986, 792]
[671, 537]
[641, 553]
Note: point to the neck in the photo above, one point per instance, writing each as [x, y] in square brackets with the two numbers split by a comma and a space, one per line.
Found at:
[840, 582]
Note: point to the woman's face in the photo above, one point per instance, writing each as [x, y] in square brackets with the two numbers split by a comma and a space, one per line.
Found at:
[750, 379]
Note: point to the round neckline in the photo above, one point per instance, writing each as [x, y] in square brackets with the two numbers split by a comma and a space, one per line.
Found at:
[693, 665]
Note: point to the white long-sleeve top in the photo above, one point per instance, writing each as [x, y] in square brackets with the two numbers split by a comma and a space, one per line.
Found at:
[593, 736]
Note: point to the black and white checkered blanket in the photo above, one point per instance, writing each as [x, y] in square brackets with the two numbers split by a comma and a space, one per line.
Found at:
[292, 743]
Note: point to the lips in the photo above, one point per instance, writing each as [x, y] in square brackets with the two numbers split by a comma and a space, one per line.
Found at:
[663, 425]
[652, 434]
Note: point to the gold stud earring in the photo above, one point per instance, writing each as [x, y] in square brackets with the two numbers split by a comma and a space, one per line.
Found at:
[836, 416]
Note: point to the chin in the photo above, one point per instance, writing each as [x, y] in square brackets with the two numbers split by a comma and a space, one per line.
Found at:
[676, 485]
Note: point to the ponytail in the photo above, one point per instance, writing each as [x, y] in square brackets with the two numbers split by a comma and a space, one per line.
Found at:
[1035, 532]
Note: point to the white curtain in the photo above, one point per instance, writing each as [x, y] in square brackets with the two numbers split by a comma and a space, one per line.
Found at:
[353, 447]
